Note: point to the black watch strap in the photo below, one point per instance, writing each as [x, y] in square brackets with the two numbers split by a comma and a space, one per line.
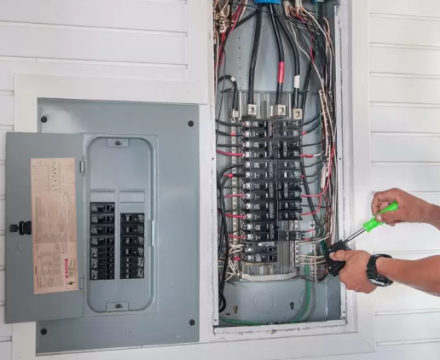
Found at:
[372, 274]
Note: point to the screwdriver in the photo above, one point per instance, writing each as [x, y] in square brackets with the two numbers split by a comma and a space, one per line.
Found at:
[334, 267]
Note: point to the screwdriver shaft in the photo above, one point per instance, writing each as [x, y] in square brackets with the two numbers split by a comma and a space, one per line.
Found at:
[354, 236]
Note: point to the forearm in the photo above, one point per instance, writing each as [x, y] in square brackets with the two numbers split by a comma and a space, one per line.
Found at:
[423, 274]
[433, 215]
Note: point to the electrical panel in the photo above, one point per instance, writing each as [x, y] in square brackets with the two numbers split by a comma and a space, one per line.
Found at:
[96, 214]
[276, 132]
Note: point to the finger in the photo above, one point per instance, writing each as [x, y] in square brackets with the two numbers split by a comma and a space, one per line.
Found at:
[342, 255]
[384, 205]
[388, 196]
[391, 216]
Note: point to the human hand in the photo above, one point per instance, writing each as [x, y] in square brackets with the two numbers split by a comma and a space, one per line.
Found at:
[354, 273]
[411, 209]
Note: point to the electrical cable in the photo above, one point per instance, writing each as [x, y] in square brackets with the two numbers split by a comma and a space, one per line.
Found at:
[281, 63]
[254, 57]
[295, 54]
[235, 85]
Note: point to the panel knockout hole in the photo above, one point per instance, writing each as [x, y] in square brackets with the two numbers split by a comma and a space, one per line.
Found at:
[43, 331]
[191, 123]
[43, 119]
[192, 322]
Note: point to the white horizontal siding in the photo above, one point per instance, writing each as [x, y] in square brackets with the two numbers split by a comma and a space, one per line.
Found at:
[405, 89]
[411, 177]
[409, 237]
[405, 119]
[404, 59]
[387, 147]
[90, 44]
[408, 327]
[84, 68]
[410, 300]
[122, 14]
[404, 31]
[428, 8]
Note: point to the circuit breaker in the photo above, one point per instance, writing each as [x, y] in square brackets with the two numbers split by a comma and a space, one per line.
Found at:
[102, 217]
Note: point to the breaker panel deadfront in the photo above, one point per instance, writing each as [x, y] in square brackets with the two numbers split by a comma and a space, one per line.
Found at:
[101, 225]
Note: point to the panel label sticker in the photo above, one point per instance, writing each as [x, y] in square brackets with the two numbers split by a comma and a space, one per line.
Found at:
[54, 233]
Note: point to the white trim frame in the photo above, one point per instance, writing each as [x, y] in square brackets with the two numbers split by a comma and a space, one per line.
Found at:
[270, 342]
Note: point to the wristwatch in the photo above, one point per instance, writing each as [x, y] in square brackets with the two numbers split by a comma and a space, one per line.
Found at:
[372, 274]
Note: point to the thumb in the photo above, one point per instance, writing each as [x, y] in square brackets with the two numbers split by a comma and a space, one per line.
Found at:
[341, 255]
[390, 216]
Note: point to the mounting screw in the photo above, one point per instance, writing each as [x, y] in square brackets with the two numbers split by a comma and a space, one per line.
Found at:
[43, 119]
[117, 143]
[43, 331]
[192, 322]
[191, 123]
[118, 306]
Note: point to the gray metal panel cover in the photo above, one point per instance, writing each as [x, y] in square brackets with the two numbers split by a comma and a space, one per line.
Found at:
[172, 316]
[21, 303]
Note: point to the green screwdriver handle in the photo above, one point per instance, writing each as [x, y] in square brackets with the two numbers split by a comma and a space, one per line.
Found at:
[373, 223]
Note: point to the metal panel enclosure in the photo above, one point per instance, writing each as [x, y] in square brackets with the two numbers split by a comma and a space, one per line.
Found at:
[21, 303]
[164, 310]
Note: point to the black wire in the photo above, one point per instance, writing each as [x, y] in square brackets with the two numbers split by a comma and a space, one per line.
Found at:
[224, 233]
[224, 84]
[228, 145]
[313, 128]
[225, 123]
[295, 53]
[235, 85]
[254, 56]
[311, 121]
[247, 18]
[279, 42]
[314, 144]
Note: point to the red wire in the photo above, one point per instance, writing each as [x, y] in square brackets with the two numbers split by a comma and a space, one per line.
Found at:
[316, 211]
[235, 216]
[229, 154]
[234, 195]
[237, 237]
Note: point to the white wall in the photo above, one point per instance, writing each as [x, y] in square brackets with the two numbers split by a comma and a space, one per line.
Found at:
[130, 39]
[133, 39]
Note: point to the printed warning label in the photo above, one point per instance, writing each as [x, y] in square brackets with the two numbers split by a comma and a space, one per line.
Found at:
[54, 225]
